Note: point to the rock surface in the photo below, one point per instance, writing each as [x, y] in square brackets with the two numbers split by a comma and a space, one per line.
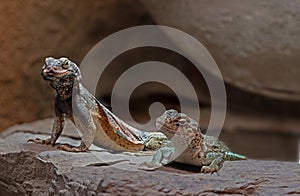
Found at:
[42, 170]
[253, 42]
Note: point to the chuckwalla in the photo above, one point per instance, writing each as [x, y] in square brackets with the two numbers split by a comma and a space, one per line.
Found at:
[189, 145]
[97, 124]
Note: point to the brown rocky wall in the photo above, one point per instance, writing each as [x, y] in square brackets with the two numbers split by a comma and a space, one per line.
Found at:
[31, 30]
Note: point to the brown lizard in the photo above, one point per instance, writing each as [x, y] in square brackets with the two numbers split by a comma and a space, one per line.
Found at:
[97, 124]
[189, 145]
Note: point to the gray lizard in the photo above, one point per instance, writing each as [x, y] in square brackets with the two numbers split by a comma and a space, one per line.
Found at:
[97, 124]
[189, 145]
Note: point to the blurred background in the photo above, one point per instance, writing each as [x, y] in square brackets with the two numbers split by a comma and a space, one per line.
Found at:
[256, 45]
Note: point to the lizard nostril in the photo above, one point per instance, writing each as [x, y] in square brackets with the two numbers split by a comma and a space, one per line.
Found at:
[49, 70]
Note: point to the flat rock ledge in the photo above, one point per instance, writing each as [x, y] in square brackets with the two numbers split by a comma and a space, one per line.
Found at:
[32, 169]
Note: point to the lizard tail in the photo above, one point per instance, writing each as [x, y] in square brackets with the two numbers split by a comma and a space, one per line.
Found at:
[230, 156]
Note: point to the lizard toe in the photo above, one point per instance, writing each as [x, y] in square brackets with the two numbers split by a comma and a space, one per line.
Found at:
[208, 169]
[40, 141]
[149, 166]
[70, 148]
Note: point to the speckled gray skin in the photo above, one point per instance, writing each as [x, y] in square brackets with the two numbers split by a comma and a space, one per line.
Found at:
[97, 124]
[189, 145]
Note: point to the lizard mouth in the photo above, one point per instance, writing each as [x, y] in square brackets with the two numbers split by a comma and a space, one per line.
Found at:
[55, 73]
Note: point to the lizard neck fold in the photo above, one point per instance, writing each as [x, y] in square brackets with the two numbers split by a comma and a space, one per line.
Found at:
[65, 91]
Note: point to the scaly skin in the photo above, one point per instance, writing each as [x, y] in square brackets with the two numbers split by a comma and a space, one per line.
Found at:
[97, 124]
[189, 145]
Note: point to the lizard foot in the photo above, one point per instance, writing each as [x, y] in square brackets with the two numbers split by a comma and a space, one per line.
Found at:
[209, 169]
[40, 141]
[70, 148]
[149, 166]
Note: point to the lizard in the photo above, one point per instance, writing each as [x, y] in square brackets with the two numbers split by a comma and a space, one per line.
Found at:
[189, 145]
[96, 122]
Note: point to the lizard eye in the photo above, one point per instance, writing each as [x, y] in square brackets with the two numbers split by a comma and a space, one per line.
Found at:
[181, 121]
[65, 65]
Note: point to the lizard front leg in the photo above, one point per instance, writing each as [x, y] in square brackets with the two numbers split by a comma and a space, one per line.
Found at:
[57, 128]
[86, 142]
[215, 165]
[167, 153]
[83, 120]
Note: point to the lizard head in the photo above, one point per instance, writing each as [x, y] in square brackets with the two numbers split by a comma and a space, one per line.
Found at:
[172, 122]
[60, 72]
